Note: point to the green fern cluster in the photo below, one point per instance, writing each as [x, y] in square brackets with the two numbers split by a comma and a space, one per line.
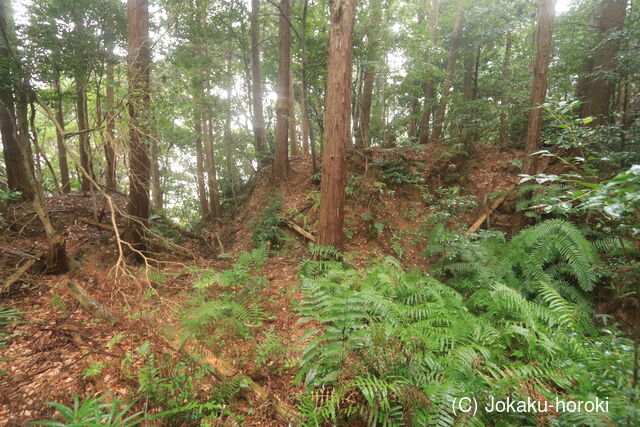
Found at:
[396, 347]
[268, 227]
[554, 252]
[241, 274]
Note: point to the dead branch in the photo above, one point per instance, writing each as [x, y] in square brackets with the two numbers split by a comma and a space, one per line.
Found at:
[476, 225]
[304, 233]
[96, 224]
[17, 253]
[17, 274]
[88, 303]
[224, 371]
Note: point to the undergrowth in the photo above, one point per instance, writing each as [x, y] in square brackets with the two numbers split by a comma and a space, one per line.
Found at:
[396, 347]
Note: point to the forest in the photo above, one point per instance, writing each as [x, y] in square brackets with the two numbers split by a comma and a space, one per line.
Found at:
[320, 212]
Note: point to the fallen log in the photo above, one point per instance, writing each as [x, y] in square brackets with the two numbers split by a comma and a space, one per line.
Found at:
[88, 303]
[224, 371]
[96, 224]
[221, 369]
[304, 233]
[496, 203]
[17, 253]
[17, 274]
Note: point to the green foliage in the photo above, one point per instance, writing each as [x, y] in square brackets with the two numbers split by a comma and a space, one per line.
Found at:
[267, 228]
[9, 196]
[171, 386]
[241, 274]
[270, 350]
[395, 348]
[398, 172]
[220, 318]
[94, 411]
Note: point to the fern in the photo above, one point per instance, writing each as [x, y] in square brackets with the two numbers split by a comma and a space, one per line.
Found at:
[395, 347]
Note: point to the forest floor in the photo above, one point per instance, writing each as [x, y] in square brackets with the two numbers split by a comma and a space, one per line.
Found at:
[53, 350]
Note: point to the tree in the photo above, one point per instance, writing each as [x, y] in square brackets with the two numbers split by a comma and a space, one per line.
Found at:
[337, 123]
[256, 85]
[281, 158]
[13, 141]
[139, 62]
[432, 28]
[438, 121]
[596, 85]
[543, 37]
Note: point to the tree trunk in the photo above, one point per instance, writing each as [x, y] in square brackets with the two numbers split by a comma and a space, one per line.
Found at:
[543, 38]
[214, 196]
[337, 123]
[305, 90]
[82, 117]
[139, 87]
[362, 137]
[62, 148]
[504, 102]
[451, 67]
[293, 134]
[256, 78]
[305, 126]
[429, 92]
[18, 176]
[109, 151]
[156, 187]
[281, 158]
[596, 86]
[197, 129]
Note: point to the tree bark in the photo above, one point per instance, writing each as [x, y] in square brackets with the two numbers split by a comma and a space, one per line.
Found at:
[139, 87]
[543, 38]
[156, 187]
[362, 137]
[82, 118]
[109, 151]
[260, 141]
[281, 158]
[18, 176]
[429, 92]
[337, 123]
[63, 164]
[596, 86]
[293, 134]
[305, 89]
[214, 196]
[504, 102]
[450, 70]
[197, 129]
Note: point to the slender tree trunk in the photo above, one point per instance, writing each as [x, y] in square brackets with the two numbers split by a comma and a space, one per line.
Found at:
[429, 91]
[337, 123]
[362, 137]
[197, 129]
[467, 131]
[62, 148]
[281, 158]
[293, 134]
[305, 126]
[596, 86]
[256, 77]
[18, 176]
[82, 118]
[504, 102]
[451, 67]
[156, 187]
[543, 38]
[305, 89]
[109, 151]
[214, 195]
[139, 88]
